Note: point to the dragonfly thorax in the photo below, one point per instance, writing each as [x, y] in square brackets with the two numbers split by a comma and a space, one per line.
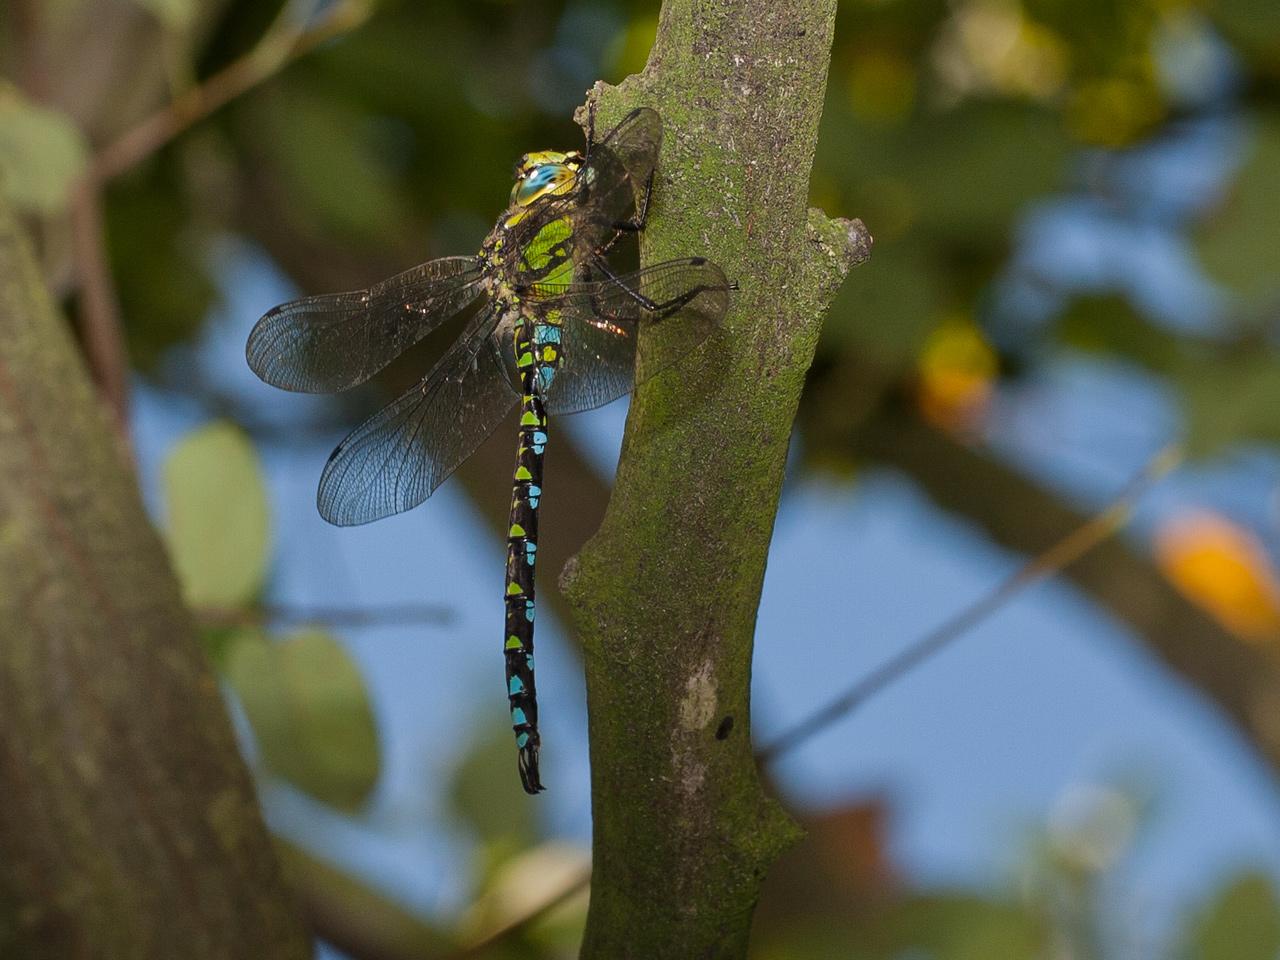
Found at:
[547, 173]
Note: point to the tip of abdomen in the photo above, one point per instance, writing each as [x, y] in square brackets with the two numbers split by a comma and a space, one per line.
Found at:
[527, 762]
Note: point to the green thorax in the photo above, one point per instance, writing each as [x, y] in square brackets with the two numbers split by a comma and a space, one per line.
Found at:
[548, 263]
[547, 260]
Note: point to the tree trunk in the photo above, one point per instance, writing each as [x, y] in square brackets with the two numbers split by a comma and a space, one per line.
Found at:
[128, 826]
[665, 595]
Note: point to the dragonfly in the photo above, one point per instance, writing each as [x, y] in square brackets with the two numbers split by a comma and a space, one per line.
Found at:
[557, 331]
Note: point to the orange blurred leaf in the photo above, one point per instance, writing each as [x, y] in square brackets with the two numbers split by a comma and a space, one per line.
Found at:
[1222, 567]
[955, 376]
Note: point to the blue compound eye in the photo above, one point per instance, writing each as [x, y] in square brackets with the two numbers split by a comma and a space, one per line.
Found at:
[541, 179]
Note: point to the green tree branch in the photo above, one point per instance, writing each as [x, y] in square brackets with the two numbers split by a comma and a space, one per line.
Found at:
[665, 594]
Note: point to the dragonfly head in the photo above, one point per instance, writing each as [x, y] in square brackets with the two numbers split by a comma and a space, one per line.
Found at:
[548, 173]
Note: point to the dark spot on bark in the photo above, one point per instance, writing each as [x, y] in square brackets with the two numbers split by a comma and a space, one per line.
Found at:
[722, 731]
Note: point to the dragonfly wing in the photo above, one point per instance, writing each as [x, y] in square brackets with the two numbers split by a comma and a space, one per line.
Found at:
[601, 353]
[635, 141]
[395, 459]
[618, 173]
[329, 343]
[622, 163]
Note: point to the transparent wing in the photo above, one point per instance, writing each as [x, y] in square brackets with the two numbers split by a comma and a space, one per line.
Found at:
[332, 342]
[635, 141]
[601, 321]
[608, 188]
[620, 167]
[395, 459]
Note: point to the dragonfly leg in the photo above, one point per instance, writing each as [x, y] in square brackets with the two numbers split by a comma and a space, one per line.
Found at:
[634, 225]
[658, 310]
[603, 266]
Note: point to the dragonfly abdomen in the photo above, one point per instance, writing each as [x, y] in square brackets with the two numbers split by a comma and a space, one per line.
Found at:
[522, 546]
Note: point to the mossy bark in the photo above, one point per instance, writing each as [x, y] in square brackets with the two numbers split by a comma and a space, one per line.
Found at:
[128, 823]
[665, 595]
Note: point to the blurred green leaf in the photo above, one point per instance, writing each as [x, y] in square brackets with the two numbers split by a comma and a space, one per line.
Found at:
[1251, 25]
[177, 15]
[522, 885]
[42, 153]
[327, 150]
[217, 512]
[481, 794]
[1238, 245]
[1242, 922]
[217, 641]
[950, 926]
[310, 712]
[959, 176]
[400, 931]
[1109, 324]
[967, 182]
[967, 927]
[629, 50]
[1230, 398]
[887, 307]
[1106, 37]
[157, 247]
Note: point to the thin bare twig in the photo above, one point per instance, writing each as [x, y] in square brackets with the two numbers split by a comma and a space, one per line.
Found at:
[100, 323]
[1067, 550]
[280, 45]
[99, 309]
[387, 616]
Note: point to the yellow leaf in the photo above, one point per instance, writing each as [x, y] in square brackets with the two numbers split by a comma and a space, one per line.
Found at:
[1224, 569]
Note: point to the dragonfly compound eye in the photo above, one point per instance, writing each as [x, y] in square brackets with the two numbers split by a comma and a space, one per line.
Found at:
[548, 173]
